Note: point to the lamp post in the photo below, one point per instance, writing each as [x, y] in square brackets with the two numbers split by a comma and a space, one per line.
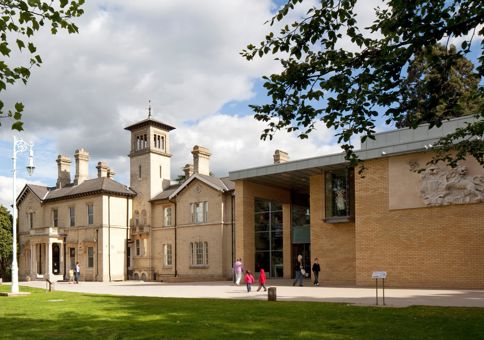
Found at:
[19, 145]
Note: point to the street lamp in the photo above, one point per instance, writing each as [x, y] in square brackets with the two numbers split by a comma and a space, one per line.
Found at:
[19, 145]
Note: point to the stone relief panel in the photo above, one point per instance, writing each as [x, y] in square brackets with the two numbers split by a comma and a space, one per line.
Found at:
[436, 185]
[440, 185]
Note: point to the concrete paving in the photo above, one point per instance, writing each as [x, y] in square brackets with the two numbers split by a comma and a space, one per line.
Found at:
[285, 292]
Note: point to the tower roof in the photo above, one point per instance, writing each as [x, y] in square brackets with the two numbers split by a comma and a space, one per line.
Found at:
[150, 122]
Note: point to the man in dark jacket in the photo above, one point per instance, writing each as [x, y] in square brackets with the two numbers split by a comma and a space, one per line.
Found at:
[316, 269]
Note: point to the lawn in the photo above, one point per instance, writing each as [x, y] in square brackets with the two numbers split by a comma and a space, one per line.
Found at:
[83, 316]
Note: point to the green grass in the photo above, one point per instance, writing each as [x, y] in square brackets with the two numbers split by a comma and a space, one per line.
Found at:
[84, 316]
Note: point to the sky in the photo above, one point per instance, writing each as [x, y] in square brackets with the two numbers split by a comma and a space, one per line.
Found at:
[184, 56]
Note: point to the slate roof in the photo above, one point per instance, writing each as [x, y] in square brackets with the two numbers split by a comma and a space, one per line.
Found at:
[166, 193]
[222, 184]
[150, 121]
[102, 185]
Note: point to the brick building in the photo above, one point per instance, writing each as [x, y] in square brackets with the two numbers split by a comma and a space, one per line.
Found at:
[425, 229]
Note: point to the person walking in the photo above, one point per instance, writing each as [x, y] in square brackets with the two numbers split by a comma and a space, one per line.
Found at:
[249, 280]
[77, 272]
[316, 269]
[300, 272]
[238, 270]
[262, 280]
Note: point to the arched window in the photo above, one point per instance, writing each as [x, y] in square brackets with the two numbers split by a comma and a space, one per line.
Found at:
[136, 217]
[143, 217]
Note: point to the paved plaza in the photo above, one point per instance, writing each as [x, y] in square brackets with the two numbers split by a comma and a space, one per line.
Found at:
[285, 292]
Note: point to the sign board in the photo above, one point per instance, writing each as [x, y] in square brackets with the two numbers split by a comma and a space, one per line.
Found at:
[379, 275]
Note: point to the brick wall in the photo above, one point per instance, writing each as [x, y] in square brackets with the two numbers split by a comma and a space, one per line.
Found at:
[423, 247]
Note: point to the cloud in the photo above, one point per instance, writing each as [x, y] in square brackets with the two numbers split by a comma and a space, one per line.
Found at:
[234, 142]
[6, 186]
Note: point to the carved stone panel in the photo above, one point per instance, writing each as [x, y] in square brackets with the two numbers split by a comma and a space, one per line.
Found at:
[436, 185]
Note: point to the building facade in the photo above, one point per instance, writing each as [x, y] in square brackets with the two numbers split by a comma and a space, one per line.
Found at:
[425, 229]
[152, 230]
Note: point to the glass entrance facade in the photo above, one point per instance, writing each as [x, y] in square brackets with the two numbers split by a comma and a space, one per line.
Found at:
[268, 237]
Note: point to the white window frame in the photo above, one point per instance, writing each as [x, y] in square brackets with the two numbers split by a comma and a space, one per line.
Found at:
[55, 217]
[199, 254]
[167, 217]
[199, 212]
[90, 214]
[138, 247]
[90, 257]
[30, 217]
[72, 216]
[167, 255]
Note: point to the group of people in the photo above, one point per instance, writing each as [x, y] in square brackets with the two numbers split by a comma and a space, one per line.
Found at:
[75, 273]
[301, 271]
[250, 280]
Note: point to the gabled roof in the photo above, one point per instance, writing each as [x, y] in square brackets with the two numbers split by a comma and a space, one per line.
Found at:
[150, 121]
[219, 184]
[102, 185]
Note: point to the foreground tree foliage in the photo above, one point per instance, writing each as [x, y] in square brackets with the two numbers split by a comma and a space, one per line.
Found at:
[19, 21]
[347, 87]
[5, 243]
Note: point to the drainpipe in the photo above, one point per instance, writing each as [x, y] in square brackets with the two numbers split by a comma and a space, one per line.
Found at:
[109, 237]
[65, 259]
[97, 254]
[176, 248]
[233, 226]
[127, 236]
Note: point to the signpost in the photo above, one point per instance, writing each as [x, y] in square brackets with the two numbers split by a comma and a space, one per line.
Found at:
[376, 276]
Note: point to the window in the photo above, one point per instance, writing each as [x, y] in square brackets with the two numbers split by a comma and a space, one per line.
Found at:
[167, 255]
[199, 252]
[167, 221]
[31, 219]
[90, 257]
[143, 217]
[72, 216]
[136, 218]
[161, 173]
[90, 214]
[138, 248]
[199, 212]
[55, 217]
[139, 171]
[339, 192]
[268, 236]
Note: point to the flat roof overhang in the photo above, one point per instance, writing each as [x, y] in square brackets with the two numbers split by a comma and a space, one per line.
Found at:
[294, 175]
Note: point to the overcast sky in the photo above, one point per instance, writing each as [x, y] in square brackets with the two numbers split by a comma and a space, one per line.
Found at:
[184, 56]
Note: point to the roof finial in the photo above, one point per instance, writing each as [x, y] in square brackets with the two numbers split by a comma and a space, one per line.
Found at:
[149, 109]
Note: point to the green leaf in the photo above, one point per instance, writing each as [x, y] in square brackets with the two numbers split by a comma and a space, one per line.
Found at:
[18, 126]
[20, 44]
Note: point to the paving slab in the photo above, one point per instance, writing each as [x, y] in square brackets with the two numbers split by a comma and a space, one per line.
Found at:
[285, 292]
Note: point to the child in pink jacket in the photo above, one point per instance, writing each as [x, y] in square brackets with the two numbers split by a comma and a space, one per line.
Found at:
[249, 280]
[262, 280]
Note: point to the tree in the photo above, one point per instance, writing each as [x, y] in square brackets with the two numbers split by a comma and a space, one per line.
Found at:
[5, 243]
[347, 88]
[426, 75]
[19, 21]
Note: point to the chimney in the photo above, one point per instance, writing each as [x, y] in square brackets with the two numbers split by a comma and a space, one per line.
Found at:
[111, 173]
[280, 157]
[82, 166]
[201, 160]
[63, 171]
[102, 170]
[188, 169]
